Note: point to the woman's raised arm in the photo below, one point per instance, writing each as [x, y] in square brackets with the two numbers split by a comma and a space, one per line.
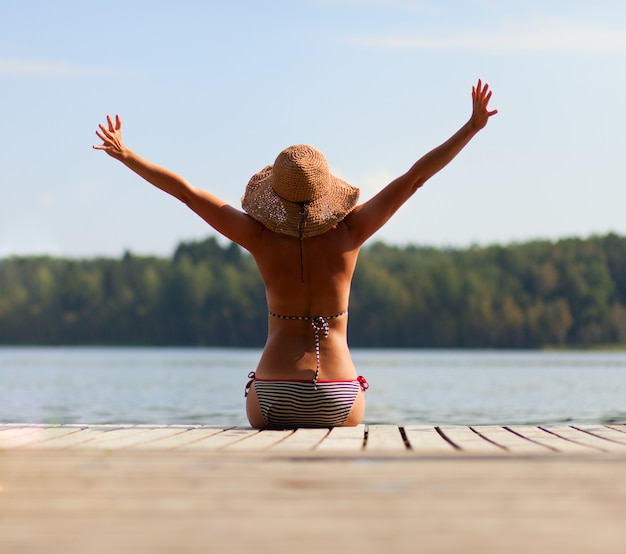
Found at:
[370, 216]
[230, 222]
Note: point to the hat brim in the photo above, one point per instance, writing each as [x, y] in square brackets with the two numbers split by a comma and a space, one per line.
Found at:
[261, 202]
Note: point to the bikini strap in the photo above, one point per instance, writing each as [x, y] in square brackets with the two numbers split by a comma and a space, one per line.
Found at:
[252, 376]
[307, 318]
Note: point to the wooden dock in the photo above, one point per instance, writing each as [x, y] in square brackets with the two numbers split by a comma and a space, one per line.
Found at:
[410, 440]
[378, 488]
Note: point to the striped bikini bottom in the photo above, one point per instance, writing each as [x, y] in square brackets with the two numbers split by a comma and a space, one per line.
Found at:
[291, 404]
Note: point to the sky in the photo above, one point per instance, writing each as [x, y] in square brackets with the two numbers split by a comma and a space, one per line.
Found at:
[214, 90]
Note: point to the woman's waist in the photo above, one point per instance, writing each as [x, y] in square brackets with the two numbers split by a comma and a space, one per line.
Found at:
[294, 339]
[299, 365]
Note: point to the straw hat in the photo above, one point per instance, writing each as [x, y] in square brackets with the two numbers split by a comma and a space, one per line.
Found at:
[298, 195]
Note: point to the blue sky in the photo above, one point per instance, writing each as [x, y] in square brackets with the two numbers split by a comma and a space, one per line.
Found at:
[214, 90]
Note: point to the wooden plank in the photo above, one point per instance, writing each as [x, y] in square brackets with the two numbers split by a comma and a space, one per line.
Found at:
[81, 435]
[259, 441]
[467, 440]
[10, 435]
[9, 426]
[111, 439]
[509, 440]
[384, 437]
[301, 440]
[181, 440]
[558, 443]
[348, 439]
[618, 427]
[39, 439]
[580, 437]
[16, 429]
[424, 438]
[603, 431]
[217, 441]
[147, 438]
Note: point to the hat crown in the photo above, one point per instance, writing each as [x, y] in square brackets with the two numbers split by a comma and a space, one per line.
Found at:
[300, 178]
[300, 174]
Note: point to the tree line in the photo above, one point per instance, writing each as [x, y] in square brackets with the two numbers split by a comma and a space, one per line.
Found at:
[570, 292]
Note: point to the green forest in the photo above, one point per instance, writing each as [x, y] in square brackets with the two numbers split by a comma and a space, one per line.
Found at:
[566, 293]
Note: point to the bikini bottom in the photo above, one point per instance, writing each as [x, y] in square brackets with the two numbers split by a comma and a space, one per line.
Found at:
[289, 404]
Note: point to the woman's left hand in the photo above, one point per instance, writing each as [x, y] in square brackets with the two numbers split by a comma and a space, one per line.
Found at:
[480, 111]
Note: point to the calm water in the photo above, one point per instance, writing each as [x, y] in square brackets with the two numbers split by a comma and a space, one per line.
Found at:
[205, 386]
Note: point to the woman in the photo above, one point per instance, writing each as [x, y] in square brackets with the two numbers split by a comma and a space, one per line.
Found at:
[304, 229]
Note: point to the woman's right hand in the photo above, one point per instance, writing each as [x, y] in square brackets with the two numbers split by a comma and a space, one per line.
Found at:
[111, 136]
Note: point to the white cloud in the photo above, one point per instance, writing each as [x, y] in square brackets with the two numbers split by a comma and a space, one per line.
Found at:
[575, 38]
[44, 68]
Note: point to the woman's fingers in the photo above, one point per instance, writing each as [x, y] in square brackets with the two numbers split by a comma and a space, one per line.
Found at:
[107, 133]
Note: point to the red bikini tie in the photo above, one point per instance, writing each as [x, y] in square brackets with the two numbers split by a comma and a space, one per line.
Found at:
[252, 377]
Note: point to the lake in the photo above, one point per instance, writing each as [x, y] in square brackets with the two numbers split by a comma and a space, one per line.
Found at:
[205, 386]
